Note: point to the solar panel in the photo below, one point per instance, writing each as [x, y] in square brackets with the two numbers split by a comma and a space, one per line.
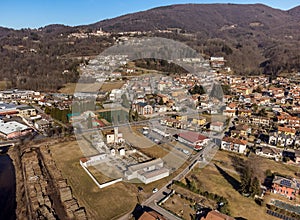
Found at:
[286, 182]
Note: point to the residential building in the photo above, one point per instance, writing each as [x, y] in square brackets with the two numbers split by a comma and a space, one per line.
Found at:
[199, 121]
[241, 130]
[143, 108]
[244, 112]
[151, 215]
[259, 121]
[193, 139]
[217, 62]
[26, 111]
[286, 130]
[217, 126]
[233, 144]
[268, 152]
[42, 125]
[115, 94]
[229, 113]
[286, 186]
[216, 215]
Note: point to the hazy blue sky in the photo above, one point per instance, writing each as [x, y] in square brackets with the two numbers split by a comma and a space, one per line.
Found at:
[37, 13]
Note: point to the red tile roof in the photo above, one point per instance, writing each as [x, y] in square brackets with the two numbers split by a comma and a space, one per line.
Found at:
[215, 215]
[152, 215]
[192, 136]
[84, 159]
[234, 140]
[285, 129]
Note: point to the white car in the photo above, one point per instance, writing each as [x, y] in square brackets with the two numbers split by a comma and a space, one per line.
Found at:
[155, 190]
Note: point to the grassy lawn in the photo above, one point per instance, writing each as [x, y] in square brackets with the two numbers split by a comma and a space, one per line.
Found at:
[181, 202]
[258, 164]
[70, 88]
[135, 138]
[154, 152]
[108, 86]
[220, 177]
[107, 203]
[180, 206]
[196, 197]
[103, 173]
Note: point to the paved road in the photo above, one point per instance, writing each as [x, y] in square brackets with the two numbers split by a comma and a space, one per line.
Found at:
[152, 201]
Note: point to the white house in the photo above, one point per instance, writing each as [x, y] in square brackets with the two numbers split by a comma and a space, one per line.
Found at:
[115, 94]
[217, 126]
[233, 144]
[268, 152]
[229, 113]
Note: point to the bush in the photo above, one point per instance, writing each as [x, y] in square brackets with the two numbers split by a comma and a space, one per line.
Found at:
[259, 201]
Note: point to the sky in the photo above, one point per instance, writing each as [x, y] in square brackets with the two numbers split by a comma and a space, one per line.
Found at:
[19, 14]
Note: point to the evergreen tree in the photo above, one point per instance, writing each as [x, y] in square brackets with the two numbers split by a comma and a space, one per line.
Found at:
[47, 110]
[245, 180]
[64, 117]
[197, 89]
[255, 187]
[268, 173]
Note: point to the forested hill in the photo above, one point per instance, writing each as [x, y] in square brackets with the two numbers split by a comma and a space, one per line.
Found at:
[253, 38]
[260, 38]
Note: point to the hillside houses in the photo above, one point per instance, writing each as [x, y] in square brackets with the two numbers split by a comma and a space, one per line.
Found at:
[217, 62]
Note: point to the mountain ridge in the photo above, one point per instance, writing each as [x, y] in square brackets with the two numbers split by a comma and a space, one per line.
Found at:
[218, 9]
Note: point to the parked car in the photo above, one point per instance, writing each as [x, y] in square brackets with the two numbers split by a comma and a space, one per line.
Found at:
[155, 190]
